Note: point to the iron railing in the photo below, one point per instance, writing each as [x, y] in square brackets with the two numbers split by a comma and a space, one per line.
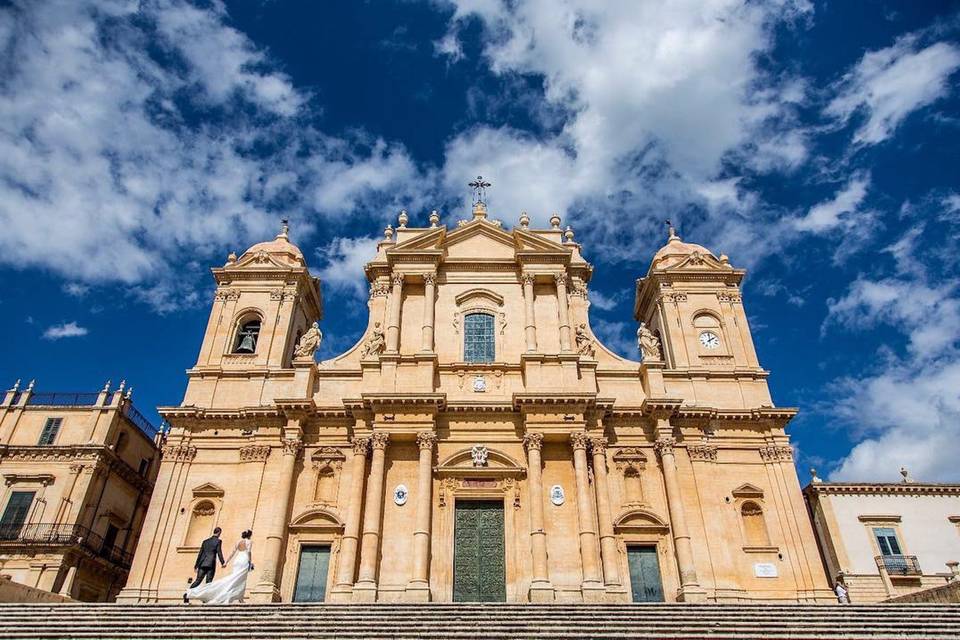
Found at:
[140, 420]
[63, 399]
[898, 565]
[49, 534]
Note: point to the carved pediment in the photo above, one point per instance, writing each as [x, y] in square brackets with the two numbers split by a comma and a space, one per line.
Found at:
[700, 260]
[259, 260]
[479, 239]
[479, 295]
[640, 521]
[429, 239]
[526, 241]
[747, 490]
[327, 454]
[207, 490]
[630, 457]
[317, 518]
[497, 464]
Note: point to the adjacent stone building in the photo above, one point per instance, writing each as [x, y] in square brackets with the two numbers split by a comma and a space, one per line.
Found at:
[78, 472]
[479, 442]
[886, 540]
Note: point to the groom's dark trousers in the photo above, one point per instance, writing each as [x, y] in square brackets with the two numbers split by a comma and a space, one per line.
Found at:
[206, 565]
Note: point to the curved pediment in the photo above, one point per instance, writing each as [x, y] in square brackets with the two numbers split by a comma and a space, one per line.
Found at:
[640, 520]
[497, 463]
[316, 518]
[479, 295]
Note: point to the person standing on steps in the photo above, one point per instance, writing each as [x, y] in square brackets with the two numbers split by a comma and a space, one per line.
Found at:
[206, 565]
[229, 588]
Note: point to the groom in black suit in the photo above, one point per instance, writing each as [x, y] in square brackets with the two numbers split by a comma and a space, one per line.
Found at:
[206, 564]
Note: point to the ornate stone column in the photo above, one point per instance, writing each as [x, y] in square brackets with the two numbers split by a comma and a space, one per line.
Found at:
[563, 307]
[393, 321]
[429, 310]
[530, 325]
[419, 588]
[608, 542]
[592, 586]
[365, 590]
[540, 588]
[268, 589]
[343, 589]
[678, 520]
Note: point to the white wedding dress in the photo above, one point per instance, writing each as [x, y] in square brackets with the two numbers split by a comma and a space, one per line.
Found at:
[229, 588]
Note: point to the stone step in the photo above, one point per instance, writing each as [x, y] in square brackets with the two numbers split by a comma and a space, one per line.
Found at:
[470, 620]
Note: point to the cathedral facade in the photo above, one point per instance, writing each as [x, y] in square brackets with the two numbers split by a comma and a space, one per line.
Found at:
[479, 443]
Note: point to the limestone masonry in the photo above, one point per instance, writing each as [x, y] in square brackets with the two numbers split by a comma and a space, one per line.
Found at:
[479, 443]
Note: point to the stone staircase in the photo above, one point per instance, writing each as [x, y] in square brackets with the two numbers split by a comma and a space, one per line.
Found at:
[488, 621]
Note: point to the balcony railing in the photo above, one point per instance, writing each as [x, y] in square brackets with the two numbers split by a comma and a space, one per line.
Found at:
[63, 399]
[140, 420]
[899, 565]
[48, 534]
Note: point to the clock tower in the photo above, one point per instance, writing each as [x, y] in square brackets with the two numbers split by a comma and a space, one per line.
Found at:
[691, 300]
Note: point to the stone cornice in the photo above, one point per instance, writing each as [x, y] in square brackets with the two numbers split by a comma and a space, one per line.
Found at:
[882, 488]
[435, 401]
[94, 453]
[203, 413]
[558, 398]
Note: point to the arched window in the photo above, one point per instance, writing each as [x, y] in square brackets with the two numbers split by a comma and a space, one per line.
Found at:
[247, 334]
[754, 529]
[479, 341]
[201, 523]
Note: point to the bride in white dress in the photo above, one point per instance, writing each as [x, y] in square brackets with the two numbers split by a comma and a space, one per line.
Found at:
[229, 588]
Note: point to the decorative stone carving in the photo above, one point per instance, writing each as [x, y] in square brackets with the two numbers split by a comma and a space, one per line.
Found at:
[630, 457]
[705, 452]
[502, 319]
[578, 440]
[584, 341]
[379, 289]
[598, 444]
[456, 323]
[560, 279]
[527, 278]
[430, 278]
[227, 294]
[375, 344]
[648, 344]
[775, 453]
[327, 456]
[557, 495]
[309, 342]
[479, 384]
[578, 288]
[426, 439]
[533, 441]
[179, 453]
[447, 486]
[400, 495]
[276, 294]
[675, 297]
[361, 446]
[664, 446]
[397, 279]
[479, 455]
[724, 296]
[292, 447]
[254, 453]
[379, 440]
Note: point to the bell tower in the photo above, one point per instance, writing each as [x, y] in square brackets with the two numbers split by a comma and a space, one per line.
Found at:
[264, 301]
[691, 300]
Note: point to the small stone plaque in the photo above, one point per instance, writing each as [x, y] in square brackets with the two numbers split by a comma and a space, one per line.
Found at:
[557, 496]
[765, 570]
[400, 495]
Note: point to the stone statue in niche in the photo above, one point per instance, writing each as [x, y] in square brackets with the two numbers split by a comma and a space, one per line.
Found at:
[479, 455]
[375, 344]
[309, 342]
[648, 344]
[584, 341]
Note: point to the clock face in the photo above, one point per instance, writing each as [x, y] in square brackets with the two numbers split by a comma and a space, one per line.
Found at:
[709, 340]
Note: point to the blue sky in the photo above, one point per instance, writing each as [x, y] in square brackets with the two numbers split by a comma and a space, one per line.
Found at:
[814, 143]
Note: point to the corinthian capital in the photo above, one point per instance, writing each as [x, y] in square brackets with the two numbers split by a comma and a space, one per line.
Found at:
[426, 440]
[380, 439]
[292, 447]
[527, 278]
[397, 279]
[598, 444]
[430, 278]
[361, 446]
[664, 446]
[579, 440]
[560, 279]
[533, 441]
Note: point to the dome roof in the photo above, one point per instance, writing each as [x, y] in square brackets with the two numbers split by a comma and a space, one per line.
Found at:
[676, 251]
[280, 248]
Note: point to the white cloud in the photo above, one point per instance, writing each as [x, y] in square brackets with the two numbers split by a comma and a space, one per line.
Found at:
[604, 302]
[106, 177]
[76, 289]
[344, 259]
[907, 407]
[653, 96]
[64, 330]
[839, 210]
[889, 84]
[618, 336]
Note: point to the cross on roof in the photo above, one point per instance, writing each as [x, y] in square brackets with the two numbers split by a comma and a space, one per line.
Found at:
[479, 187]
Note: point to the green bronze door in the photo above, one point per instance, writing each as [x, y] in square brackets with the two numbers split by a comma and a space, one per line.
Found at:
[312, 575]
[478, 567]
[644, 574]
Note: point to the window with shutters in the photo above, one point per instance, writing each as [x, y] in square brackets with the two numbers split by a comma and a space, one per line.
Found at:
[887, 541]
[479, 341]
[18, 507]
[50, 430]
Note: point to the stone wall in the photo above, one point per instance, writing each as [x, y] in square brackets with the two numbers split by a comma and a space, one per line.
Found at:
[11, 591]
[948, 593]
